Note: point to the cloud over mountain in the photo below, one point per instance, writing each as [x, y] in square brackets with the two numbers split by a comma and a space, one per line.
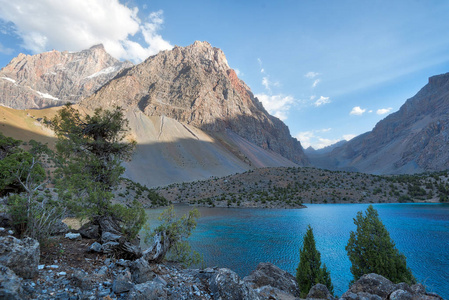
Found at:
[78, 24]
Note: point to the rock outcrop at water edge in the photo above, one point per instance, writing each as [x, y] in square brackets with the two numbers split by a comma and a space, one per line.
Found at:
[126, 279]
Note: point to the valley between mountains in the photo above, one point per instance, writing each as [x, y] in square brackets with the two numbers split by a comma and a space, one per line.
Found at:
[197, 124]
[203, 139]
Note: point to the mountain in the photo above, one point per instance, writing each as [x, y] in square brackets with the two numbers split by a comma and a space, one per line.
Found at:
[192, 117]
[54, 78]
[195, 86]
[311, 151]
[412, 140]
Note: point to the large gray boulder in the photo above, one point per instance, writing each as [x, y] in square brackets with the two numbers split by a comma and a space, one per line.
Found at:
[122, 283]
[372, 284]
[267, 274]
[148, 291]
[141, 271]
[376, 287]
[319, 291]
[226, 284]
[90, 231]
[269, 293]
[21, 256]
[10, 284]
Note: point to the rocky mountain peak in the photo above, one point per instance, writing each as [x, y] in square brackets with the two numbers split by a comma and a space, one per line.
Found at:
[195, 85]
[412, 140]
[54, 78]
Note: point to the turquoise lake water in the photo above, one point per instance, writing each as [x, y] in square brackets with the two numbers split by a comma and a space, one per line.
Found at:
[241, 238]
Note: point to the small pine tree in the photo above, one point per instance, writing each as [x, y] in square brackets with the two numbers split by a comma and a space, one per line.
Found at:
[326, 279]
[309, 271]
[371, 250]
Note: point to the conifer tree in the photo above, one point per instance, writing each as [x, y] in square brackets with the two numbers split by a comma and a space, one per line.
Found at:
[90, 152]
[371, 250]
[309, 271]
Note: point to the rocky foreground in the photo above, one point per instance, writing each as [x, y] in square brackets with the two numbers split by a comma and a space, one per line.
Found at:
[77, 268]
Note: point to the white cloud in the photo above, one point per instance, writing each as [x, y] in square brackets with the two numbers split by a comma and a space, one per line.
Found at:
[349, 137]
[305, 137]
[315, 83]
[309, 138]
[321, 101]
[312, 97]
[75, 25]
[277, 105]
[357, 111]
[262, 70]
[384, 111]
[238, 72]
[267, 83]
[312, 74]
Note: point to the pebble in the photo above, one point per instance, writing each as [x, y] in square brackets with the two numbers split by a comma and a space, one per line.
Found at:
[52, 267]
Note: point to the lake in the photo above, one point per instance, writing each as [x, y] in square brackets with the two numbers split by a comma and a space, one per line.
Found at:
[241, 238]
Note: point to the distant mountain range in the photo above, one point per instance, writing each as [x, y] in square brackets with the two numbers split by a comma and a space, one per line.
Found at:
[193, 118]
[54, 78]
[412, 140]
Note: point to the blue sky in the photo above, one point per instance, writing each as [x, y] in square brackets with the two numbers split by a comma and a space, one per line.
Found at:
[329, 69]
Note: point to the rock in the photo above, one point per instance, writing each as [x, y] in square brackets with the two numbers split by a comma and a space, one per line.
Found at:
[82, 280]
[226, 284]
[21, 256]
[148, 291]
[122, 283]
[403, 286]
[141, 271]
[10, 284]
[90, 231]
[73, 236]
[60, 228]
[360, 296]
[110, 247]
[401, 295]
[373, 284]
[319, 291]
[109, 237]
[53, 78]
[269, 274]
[269, 292]
[95, 247]
[418, 288]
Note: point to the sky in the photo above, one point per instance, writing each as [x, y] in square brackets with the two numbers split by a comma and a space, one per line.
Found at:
[329, 69]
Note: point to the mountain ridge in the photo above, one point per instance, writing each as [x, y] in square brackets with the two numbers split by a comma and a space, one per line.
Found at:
[195, 86]
[54, 78]
[414, 139]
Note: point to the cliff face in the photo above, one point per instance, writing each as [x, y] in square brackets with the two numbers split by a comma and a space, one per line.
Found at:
[195, 86]
[414, 139]
[53, 78]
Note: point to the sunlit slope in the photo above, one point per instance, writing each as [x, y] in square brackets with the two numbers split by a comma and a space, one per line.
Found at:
[27, 124]
[169, 151]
